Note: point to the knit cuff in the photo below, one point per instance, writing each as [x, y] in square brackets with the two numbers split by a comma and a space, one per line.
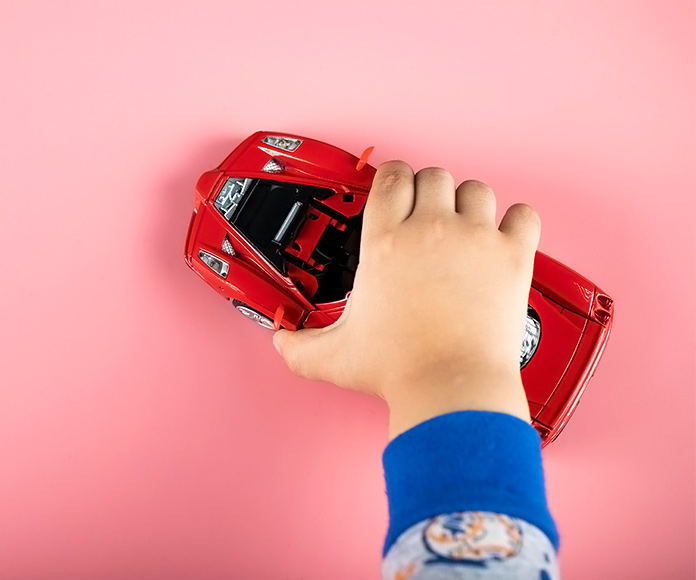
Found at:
[466, 461]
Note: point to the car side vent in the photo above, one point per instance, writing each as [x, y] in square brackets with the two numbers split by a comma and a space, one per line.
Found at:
[227, 246]
[274, 166]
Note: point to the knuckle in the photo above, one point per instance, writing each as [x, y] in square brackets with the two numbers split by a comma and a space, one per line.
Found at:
[380, 248]
[431, 228]
[435, 173]
[526, 213]
[392, 173]
[391, 179]
[476, 185]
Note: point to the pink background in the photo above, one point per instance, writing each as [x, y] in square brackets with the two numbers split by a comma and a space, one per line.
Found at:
[149, 431]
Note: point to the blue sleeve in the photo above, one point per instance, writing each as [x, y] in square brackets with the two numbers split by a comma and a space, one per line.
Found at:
[466, 461]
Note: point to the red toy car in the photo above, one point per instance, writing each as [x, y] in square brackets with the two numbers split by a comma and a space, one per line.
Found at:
[276, 229]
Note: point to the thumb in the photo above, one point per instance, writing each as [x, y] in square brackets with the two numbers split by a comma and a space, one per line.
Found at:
[307, 352]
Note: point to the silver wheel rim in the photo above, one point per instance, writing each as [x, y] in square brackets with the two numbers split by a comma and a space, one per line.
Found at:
[256, 317]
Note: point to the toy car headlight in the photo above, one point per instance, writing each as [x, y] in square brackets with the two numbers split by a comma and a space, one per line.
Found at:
[217, 265]
[284, 143]
[532, 336]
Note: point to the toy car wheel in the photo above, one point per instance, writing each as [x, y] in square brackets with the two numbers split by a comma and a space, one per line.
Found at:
[254, 315]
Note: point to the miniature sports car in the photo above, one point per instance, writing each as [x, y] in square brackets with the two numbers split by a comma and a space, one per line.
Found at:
[276, 230]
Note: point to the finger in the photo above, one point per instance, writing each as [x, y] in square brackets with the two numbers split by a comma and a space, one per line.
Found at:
[476, 201]
[434, 191]
[307, 352]
[391, 198]
[522, 222]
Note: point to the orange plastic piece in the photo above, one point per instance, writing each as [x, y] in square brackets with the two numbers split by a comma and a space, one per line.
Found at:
[278, 318]
[364, 157]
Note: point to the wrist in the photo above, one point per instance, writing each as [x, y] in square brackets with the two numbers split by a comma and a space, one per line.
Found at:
[412, 402]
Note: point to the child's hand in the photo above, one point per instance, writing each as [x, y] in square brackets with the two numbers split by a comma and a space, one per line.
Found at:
[436, 317]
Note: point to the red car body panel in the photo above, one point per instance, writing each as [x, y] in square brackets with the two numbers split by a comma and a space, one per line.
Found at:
[293, 270]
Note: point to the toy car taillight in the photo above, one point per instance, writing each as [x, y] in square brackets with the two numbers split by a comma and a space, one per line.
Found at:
[215, 264]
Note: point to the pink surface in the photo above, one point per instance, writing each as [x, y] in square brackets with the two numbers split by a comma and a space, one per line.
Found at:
[148, 431]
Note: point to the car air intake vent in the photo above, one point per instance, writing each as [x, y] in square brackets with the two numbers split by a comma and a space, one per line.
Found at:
[227, 246]
[274, 166]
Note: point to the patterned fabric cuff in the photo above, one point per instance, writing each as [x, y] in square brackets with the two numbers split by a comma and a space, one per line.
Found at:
[466, 461]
